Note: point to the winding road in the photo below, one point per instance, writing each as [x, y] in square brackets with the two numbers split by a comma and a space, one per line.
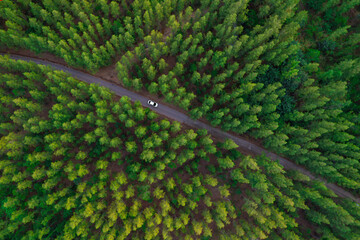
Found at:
[183, 118]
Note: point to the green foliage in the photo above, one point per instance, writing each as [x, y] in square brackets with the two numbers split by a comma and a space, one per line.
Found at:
[283, 72]
[314, 5]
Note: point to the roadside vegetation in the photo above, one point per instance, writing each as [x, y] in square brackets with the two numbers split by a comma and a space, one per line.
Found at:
[79, 163]
[284, 72]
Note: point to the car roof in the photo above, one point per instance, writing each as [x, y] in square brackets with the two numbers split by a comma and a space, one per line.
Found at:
[152, 102]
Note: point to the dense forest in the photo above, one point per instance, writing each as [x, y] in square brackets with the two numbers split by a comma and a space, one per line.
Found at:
[282, 71]
[79, 163]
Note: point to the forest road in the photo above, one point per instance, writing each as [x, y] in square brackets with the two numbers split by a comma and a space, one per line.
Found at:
[182, 118]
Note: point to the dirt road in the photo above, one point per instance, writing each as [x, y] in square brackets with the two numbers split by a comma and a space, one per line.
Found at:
[183, 118]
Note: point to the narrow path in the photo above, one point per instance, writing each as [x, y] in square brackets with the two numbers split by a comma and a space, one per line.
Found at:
[183, 118]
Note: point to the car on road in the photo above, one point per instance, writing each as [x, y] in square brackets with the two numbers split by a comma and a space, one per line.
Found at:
[152, 103]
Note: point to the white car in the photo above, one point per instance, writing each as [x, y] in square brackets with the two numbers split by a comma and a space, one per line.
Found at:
[152, 103]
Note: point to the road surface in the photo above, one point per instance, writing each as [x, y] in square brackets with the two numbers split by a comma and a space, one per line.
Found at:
[183, 118]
